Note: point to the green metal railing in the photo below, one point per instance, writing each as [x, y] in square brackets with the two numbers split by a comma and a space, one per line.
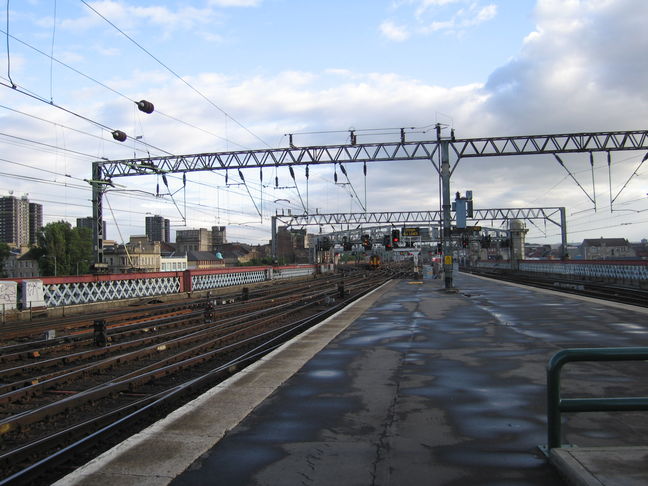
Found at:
[557, 405]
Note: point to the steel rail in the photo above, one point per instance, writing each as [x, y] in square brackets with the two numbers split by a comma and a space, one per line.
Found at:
[88, 438]
[198, 333]
[184, 358]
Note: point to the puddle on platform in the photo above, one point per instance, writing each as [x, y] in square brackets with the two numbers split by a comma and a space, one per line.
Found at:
[325, 374]
[377, 338]
[494, 459]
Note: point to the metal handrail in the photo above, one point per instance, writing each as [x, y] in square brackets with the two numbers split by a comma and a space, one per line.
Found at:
[557, 405]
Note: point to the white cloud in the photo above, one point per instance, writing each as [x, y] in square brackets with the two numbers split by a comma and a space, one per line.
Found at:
[422, 6]
[235, 3]
[463, 19]
[129, 17]
[391, 31]
[579, 68]
[429, 17]
[485, 14]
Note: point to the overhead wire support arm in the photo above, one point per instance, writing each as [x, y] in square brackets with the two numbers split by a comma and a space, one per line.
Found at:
[645, 157]
[562, 164]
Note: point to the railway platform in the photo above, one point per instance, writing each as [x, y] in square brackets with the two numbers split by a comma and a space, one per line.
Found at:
[410, 385]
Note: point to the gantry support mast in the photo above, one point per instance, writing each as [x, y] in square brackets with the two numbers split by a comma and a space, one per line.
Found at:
[437, 151]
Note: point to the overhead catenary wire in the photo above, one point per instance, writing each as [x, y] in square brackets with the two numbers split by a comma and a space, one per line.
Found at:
[184, 81]
[40, 169]
[8, 53]
[26, 92]
[43, 144]
[40, 98]
[113, 90]
[52, 54]
[594, 229]
[51, 60]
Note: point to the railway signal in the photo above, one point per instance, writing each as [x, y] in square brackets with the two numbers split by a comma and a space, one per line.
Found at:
[366, 242]
[395, 238]
[387, 242]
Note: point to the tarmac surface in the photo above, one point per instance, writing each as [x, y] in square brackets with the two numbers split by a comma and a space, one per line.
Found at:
[410, 386]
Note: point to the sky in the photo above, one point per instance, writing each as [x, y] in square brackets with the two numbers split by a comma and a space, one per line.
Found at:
[241, 74]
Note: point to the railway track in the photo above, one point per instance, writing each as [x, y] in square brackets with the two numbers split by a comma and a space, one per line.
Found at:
[69, 400]
[17, 331]
[594, 289]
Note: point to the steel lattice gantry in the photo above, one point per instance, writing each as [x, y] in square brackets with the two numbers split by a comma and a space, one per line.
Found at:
[378, 152]
[555, 215]
[386, 217]
[105, 170]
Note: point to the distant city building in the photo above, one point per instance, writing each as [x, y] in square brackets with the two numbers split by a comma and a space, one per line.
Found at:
[291, 245]
[35, 222]
[88, 223]
[606, 249]
[158, 229]
[203, 260]
[20, 221]
[173, 263]
[219, 236]
[138, 255]
[235, 253]
[193, 240]
[21, 263]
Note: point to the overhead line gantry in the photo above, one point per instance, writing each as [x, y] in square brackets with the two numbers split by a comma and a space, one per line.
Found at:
[104, 171]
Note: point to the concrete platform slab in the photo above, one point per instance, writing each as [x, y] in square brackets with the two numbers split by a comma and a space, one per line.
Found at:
[602, 466]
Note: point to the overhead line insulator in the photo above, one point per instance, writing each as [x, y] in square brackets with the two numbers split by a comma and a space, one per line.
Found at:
[145, 106]
[119, 136]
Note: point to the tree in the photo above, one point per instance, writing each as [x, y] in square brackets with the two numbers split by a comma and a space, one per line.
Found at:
[64, 250]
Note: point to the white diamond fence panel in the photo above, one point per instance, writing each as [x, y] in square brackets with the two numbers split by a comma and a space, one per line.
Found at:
[216, 280]
[590, 270]
[74, 293]
[293, 272]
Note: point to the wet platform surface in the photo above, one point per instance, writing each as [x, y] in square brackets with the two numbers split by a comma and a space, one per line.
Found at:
[423, 387]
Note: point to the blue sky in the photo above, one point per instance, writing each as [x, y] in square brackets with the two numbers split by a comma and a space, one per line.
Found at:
[487, 67]
[279, 35]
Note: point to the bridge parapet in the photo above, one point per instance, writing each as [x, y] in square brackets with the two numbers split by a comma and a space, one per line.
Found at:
[607, 270]
[88, 289]
[611, 270]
